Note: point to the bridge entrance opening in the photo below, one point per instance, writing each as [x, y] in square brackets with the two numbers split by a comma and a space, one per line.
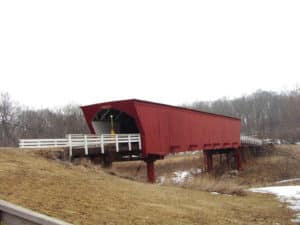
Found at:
[119, 122]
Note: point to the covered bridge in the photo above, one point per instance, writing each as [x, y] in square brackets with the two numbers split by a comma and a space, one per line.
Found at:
[166, 129]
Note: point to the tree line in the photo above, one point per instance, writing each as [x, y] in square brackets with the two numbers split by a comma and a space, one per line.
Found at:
[263, 114]
[17, 122]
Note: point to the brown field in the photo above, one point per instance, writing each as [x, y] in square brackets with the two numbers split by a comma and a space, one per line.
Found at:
[88, 195]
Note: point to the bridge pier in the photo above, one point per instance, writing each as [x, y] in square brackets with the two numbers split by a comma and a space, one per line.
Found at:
[150, 159]
[238, 159]
[208, 160]
[150, 171]
[208, 157]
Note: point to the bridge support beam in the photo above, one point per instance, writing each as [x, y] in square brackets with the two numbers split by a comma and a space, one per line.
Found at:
[150, 170]
[208, 160]
[230, 153]
[238, 159]
[150, 159]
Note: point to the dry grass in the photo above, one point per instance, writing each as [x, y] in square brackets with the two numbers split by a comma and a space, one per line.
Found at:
[87, 195]
[282, 163]
[212, 184]
[279, 164]
[136, 170]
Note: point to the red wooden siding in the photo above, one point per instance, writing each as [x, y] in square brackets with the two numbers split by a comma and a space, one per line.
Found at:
[165, 129]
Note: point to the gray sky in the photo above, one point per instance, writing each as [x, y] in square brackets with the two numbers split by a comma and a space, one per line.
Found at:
[57, 52]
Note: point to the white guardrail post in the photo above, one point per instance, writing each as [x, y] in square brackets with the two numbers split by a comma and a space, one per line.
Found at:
[70, 145]
[11, 214]
[102, 144]
[86, 152]
[140, 142]
[129, 142]
[117, 142]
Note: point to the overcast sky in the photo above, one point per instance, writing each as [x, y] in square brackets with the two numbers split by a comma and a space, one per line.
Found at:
[57, 52]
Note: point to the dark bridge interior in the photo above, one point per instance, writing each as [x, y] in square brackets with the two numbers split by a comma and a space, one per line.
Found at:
[121, 121]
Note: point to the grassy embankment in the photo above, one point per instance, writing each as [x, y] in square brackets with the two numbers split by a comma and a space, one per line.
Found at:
[87, 195]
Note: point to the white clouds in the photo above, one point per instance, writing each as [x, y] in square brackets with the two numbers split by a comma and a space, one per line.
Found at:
[168, 51]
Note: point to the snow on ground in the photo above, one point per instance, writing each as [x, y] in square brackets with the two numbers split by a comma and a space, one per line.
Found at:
[288, 194]
[188, 153]
[286, 181]
[180, 176]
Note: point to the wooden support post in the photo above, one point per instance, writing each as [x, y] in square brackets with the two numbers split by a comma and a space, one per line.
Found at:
[208, 160]
[243, 157]
[227, 159]
[238, 159]
[107, 160]
[150, 170]
[205, 160]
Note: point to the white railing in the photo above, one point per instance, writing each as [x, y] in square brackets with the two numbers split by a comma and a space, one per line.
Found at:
[85, 141]
[11, 214]
[251, 140]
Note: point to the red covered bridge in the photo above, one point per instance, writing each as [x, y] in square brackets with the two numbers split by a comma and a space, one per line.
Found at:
[166, 129]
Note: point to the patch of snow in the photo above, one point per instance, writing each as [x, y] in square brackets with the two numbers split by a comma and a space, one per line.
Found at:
[195, 171]
[217, 193]
[181, 176]
[187, 153]
[289, 180]
[195, 152]
[288, 194]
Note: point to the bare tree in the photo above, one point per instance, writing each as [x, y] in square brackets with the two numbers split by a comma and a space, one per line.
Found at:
[6, 120]
[263, 114]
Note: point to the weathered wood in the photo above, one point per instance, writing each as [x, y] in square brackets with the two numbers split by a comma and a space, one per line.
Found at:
[15, 215]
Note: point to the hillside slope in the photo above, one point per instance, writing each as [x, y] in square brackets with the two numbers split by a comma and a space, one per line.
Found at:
[89, 196]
